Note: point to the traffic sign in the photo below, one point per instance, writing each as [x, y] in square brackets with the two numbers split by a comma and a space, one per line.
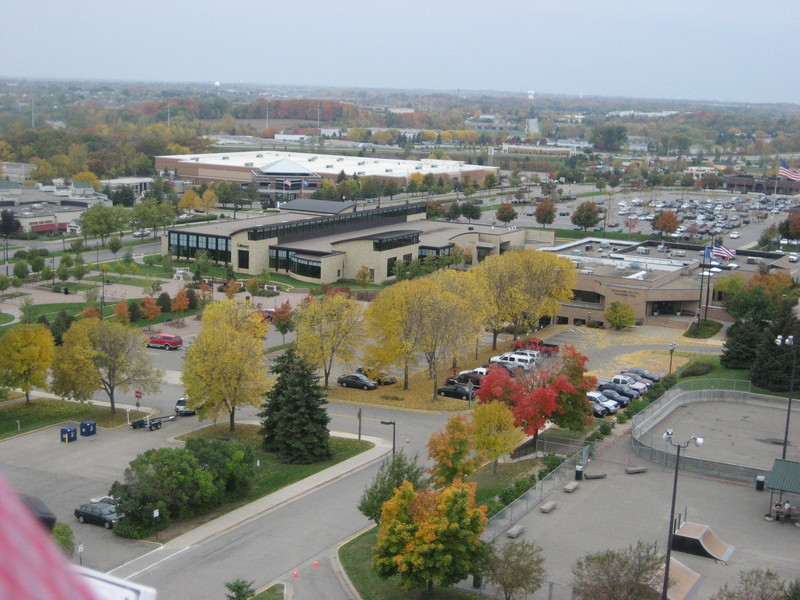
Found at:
[138, 394]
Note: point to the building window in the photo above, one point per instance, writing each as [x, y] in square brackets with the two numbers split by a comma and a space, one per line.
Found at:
[306, 267]
[390, 265]
[244, 259]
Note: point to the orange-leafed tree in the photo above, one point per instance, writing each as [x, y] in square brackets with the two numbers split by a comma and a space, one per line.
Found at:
[452, 452]
[667, 222]
[231, 289]
[779, 286]
[180, 302]
[150, 310]
[429, 536]
[90, 312]
[122, 313]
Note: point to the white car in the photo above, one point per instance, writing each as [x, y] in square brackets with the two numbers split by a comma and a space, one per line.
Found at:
[141, 233]
[611, 405]
[517, 360]
[735, 235]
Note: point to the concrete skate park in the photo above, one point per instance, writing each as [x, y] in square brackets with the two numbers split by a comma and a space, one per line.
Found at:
[743, 435]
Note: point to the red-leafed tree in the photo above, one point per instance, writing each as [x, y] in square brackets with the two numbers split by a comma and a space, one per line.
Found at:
[180, 303]
[573, 384]
[150, 310]
[284, 319]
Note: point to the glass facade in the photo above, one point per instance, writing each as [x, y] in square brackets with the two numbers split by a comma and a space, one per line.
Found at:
[306, 267]
[186, 245]
[397, 241]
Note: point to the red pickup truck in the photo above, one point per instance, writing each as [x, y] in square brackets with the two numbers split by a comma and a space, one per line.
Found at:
[534, 344]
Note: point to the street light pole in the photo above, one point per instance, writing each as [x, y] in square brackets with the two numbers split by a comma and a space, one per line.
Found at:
[671, 352]
[788, 341]
[394, 429]
[697, 441]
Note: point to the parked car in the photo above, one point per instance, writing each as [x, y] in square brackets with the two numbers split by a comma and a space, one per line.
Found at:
[620, 389]
[534, 354]
[536, 344]
[518, 360]
[456, 390]
[465, 379]
[165, 341]
[638, 378]
[625, 380]
[598, 397]
[381, 377]
[357, 380]
[141, 233]
[104, 500]
[616, 397]
[735, 235]
[644, 373]
[598, 410]
[98, 513]
[182, 410]
[563, 213]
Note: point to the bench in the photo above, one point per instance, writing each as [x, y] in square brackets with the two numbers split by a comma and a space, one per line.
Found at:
[594, 475]
[547, 506]
[634, 470]
[571, 487]
[515, 531]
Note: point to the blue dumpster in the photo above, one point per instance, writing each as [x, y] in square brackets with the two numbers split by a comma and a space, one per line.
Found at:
[69, 434]
[88, 427]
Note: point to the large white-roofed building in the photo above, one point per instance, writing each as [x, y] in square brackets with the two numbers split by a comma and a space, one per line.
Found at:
[300, 172]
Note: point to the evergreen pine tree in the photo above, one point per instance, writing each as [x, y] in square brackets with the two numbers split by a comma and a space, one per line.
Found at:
[743, 340]
[772, 367]
[294, 420]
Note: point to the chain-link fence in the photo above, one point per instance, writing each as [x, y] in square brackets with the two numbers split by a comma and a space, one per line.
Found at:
[653, 447]
[534, 496]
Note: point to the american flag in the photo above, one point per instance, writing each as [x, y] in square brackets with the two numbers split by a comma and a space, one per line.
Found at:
[785, 171]
[720, 251]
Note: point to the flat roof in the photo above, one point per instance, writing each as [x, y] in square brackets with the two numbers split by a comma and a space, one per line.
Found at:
[331, 164]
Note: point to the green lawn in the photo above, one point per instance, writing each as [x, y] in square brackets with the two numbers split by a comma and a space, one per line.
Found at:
[273, 592]
[356, 558]
[6, 318]
[42, 412]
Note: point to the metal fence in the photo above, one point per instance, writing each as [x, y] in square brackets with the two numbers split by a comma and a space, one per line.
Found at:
[534, 496]
[653, 448]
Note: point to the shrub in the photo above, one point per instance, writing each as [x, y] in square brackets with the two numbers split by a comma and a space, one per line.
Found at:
[704, 329]
[699, 365]
[552, 461]
[636, 406]
[165, 302]
[594, 437]
[21, 254]
[65, 538]
[669, 381]
[622, 418]
[605, 427]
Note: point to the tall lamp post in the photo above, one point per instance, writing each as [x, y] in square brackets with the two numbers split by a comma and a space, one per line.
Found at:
[394, 429]
[697, 441]
[671, 352]
[788, 341]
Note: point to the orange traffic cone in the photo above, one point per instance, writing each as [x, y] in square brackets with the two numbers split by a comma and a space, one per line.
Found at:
[316, 564]
[295, 574]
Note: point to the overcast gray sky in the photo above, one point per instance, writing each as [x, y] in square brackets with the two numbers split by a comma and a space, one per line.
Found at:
[725, 50]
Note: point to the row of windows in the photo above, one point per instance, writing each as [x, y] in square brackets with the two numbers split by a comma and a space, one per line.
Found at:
[395, 242]
[322, 223]
[423, 252]
[306, 268]
[203, 242]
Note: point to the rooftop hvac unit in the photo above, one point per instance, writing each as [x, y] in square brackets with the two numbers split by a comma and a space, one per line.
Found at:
[586, 271]
[577, 264]
[248, 164]
[328, 166]
[588, 247]
[751, 260]
[259, 156]
[340, 159]
[576, 252]
[643, 251]
[226, 158]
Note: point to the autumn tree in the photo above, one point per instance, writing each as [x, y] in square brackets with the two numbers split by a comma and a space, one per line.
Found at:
[363, 277]
[328, 328]
[586, 215]
[283, 319]
[294, 421]
[667, 222]
[494, 432]
[572, 384]
[429, 536]
[618, 574]
[181, 302]
[620, 315]
[505, 213]
[121, 312]
[102, 220]
[208, 200]
[470, 210]
[99, 354]
[391, 474]
[545, 213]
[150, 309]
[451, 452]
[189, 201]
[514, 567]
[225, 368]
[26, 353]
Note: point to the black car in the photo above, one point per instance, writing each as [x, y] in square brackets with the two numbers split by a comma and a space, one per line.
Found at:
[465, 379]
[456, 390]
[644, 373]
[625, 390]
[598, 410]
[98, 513]
[357, 380]
[623, 401]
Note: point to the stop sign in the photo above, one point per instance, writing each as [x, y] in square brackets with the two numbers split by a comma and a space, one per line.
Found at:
[138, 394]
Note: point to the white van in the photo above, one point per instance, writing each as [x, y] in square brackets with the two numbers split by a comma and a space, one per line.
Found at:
[517, 360]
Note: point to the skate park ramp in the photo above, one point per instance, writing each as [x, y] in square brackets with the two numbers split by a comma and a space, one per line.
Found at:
[683, 581]
[698, 539]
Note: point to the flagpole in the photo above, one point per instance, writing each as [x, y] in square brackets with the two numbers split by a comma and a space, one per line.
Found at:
[700, 300]
[708, 293]
[777, 170]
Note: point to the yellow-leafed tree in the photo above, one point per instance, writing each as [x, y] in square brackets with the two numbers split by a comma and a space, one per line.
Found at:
[225, 368]
[99, 354]
[26, 353]
[208, 200]
[493, 431]
[189, 201]
[329, 327]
